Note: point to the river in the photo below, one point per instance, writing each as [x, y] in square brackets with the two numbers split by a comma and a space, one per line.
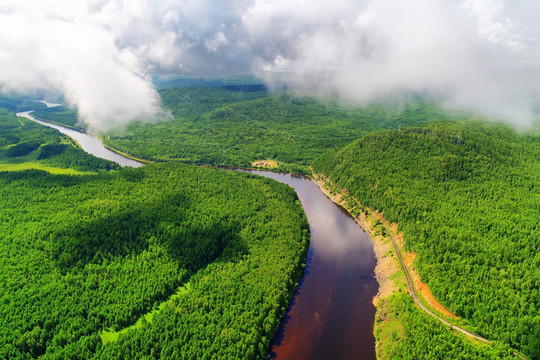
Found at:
[331, 315]
[88, 142]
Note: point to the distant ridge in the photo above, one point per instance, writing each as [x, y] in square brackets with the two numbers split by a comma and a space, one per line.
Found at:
[257, 87]
[246, 88]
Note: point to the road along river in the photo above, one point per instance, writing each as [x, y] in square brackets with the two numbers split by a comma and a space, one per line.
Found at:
[331, 315]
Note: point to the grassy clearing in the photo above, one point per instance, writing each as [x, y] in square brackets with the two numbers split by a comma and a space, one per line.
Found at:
[30, 161]
[108, 336]
[38, 166]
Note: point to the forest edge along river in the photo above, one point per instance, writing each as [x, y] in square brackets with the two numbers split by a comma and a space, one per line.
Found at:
[88, 142]
[331, 314]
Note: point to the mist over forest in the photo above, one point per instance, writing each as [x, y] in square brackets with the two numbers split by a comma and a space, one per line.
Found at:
[477, 55]
[419, 120]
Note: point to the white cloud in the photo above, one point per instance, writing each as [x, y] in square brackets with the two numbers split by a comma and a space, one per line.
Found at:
[479, 54]
[52, 46]
[493, 24]
[473, 53]
[216, 42]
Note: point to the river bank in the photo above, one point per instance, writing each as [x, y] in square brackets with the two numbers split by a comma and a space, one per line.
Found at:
[388, 243]
[387, 264]
[143, 161]
[88, 142]
[331, 314]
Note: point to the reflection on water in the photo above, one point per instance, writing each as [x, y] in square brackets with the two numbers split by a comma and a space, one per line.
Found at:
[331, 315]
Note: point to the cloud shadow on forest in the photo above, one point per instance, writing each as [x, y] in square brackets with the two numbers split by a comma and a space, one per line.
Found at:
[188, 235]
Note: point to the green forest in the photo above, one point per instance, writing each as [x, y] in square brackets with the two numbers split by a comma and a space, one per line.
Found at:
[179, 261]
[411, 334]
[220, 126]
[173, 260]
[217, 124]
[16, 103]
[86, 254]
[466, 196]
[61, 115]
[25, 144]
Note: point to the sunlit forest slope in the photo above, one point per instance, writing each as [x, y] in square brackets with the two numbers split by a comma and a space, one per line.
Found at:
[467, 197]
[220, 126]
[85, 254]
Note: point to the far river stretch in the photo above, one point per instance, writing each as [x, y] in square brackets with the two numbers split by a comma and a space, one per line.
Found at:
[88, 142]
[331, 315]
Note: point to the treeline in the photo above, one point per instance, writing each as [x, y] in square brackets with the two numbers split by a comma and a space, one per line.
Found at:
[22, 140]
[18, 103]
[411, 334]
[216, 126]
[466, 197]
[62, 115]
[179, 81]
[83, 254]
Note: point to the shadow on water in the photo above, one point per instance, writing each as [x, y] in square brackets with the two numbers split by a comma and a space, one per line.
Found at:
[278, 337]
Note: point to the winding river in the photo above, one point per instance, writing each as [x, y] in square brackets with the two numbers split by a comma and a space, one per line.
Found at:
[331, 314]
[88, 142]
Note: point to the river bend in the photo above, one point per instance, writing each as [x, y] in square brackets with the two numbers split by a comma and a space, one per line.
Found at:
[88, 142]
[331, 315]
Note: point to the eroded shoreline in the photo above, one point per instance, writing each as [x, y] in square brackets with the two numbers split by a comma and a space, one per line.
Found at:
[387, 271]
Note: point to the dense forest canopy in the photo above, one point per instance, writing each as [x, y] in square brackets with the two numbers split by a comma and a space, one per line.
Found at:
[213, 256]
[466, 195]
[16, 103]
[61, 115]
[165, 82]
[412, 334]
[85, 254]
[25, 144]
[234, 127]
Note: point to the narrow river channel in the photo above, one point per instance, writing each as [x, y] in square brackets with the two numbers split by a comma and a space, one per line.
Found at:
[88, 142]
[331, 315]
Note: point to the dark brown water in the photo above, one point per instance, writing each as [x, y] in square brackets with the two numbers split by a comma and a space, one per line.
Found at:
[331, 315]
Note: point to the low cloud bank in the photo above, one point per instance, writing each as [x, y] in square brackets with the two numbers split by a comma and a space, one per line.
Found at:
[479, 55]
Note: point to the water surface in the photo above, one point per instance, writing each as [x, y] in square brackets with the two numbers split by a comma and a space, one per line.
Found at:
[331, 315]
[88, 142]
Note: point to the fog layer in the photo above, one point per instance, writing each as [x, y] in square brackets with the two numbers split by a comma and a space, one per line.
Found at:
[481, 55]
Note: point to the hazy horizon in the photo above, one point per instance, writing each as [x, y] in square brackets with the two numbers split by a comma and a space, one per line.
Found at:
[478, 55]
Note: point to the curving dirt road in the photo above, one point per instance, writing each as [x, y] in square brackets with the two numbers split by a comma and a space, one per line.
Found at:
[412, 291]
[410, 285]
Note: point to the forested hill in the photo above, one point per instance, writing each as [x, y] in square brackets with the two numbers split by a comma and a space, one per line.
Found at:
[81, 255]
[15, 103]
[217, 126]
[466, 195]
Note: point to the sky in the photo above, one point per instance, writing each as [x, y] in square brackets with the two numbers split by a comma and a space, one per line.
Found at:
[477, 55]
